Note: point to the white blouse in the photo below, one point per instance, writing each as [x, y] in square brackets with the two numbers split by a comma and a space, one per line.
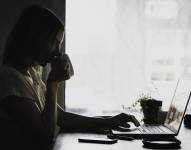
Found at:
[12, 82]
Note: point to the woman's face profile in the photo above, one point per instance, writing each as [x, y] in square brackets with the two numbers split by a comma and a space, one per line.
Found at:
[58, 41]
[53, 48]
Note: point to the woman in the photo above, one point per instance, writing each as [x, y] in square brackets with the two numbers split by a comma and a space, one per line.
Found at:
[26, 102]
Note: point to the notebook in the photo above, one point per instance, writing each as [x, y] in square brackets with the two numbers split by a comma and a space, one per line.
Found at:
[174, 117]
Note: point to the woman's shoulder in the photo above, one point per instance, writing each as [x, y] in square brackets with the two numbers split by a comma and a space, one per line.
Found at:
[5, 68]
[12, 82]
[8, 72]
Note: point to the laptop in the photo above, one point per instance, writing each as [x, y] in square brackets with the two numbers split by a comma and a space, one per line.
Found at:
[174, 117]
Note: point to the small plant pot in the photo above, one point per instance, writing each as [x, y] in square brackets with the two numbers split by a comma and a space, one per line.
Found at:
[151, 110]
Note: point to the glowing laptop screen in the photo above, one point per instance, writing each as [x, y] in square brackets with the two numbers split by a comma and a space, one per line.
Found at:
[178, 105]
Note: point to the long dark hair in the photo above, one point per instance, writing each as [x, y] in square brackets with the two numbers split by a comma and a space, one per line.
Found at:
[35, 27]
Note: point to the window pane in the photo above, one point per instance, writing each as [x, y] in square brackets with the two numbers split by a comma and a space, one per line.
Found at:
[121, 49]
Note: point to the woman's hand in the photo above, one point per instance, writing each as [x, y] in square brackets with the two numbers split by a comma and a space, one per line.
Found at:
[61, 69]
[121, 120]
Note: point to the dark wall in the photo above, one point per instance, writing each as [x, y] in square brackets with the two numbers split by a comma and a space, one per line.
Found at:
[10, 11]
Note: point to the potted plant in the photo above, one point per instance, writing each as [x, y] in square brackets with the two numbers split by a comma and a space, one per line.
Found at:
[150, 108]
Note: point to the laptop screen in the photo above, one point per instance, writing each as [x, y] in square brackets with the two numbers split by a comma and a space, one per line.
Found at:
[178, 105]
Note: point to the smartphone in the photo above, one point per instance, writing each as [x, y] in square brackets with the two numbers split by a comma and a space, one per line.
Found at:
[99, 140]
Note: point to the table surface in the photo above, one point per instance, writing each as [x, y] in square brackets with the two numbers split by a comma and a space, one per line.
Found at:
[69, 141]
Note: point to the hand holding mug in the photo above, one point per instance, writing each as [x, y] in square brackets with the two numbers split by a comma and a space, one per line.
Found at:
[62, 68]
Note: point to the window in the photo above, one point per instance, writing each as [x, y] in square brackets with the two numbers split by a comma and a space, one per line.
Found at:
[121, 49]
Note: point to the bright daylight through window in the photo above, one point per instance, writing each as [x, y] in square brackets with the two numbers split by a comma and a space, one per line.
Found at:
[123, 48]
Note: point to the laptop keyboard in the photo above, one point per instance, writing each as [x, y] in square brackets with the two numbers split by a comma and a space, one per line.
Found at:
[150, 129]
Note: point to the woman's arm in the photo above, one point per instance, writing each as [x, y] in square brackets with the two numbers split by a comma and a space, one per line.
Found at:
[60, 71]
[49, 115]
[70, 121]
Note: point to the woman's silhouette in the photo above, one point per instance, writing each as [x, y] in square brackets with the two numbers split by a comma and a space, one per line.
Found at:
[29, 112]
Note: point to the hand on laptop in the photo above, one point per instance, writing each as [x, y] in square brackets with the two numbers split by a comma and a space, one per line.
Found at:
[121, 120]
